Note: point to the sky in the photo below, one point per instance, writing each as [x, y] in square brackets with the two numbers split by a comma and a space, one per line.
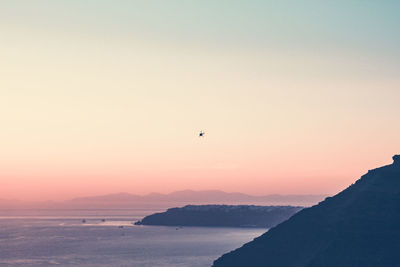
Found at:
[98, 97]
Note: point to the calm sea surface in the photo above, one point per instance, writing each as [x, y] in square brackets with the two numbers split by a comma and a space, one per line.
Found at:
[44, 238]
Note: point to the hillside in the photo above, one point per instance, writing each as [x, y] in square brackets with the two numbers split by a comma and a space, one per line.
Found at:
[358, 227]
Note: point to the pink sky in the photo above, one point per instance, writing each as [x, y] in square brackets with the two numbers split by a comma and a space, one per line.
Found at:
[112, 100]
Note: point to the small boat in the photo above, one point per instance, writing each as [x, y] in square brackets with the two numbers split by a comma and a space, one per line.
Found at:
[83, 221]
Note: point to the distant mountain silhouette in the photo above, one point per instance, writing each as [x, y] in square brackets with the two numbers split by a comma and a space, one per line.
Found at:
[159, 201]
[359, 227]
[199, 197]
[221, 215]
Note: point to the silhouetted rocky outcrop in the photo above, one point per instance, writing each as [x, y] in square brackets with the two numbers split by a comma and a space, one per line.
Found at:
[222, 215]
[358, 227]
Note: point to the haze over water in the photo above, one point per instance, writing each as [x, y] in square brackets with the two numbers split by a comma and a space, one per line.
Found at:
[50, 238]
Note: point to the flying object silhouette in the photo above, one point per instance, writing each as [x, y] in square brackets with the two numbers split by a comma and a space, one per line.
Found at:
[201, 134]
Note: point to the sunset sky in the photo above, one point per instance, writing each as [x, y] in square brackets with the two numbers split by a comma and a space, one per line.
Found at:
[97, 97]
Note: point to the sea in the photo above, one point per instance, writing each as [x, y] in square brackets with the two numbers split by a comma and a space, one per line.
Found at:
[101, 237]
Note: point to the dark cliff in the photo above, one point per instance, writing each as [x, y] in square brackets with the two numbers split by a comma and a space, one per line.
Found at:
[358, 227]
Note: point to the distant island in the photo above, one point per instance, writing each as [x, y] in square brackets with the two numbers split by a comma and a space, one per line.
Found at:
[358, 227]
[222, 216]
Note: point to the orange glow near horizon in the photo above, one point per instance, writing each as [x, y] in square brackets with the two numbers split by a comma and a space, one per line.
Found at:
[256, 180]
